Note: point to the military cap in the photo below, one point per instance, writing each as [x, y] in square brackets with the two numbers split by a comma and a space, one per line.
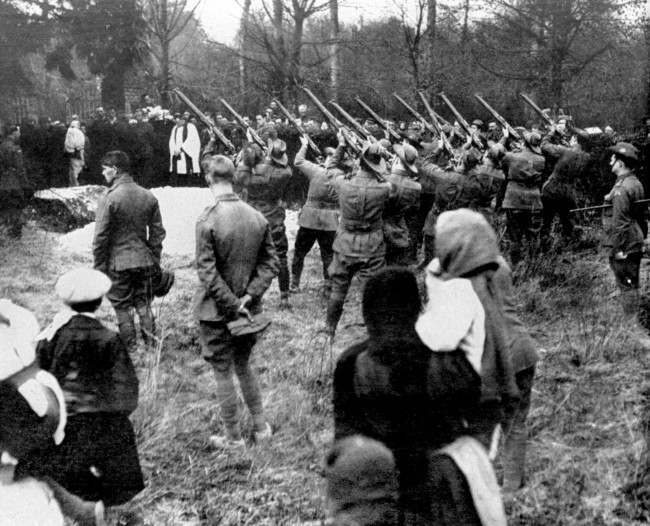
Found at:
[279, 152]
[533, 140]
[373, 156]
[82, 285]
[478, 123]
[625, 150]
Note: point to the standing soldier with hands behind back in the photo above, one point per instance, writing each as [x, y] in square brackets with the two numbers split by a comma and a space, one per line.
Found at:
[236, 262]
[13, 183]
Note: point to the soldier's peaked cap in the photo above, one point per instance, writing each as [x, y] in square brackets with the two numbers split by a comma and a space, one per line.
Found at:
[626, 150]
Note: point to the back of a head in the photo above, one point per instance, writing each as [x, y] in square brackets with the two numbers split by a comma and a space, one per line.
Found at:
[218, 167]
[117, 159]
[390, 298]
[361, 482]
[465, 242]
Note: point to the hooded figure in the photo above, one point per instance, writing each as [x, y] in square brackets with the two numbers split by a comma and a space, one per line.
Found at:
[466, 247]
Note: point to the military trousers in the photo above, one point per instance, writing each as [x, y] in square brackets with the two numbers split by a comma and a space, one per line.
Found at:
[305, 240]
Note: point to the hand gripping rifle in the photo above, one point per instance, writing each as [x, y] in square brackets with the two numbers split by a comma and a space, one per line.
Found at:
[207, 121]
[543, 115]
[350, 138]
[247, 128]
[463, 123]
[396, 136]
[354, 123]
[640, 202]
[504, 123]
[436, 124]
[298, 126]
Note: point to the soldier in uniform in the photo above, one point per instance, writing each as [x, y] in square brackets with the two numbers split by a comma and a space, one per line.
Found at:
[402, 209]
[628, 226]
[522, 201]
[127, 246]
[319, 217]
[236, 262]
[265, 181]
[359, 245]
[14, 186]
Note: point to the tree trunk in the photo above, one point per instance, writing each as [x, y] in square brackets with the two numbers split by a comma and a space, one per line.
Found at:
[113, 89]
[647, 62]
[334, 47]
[241, 44]
[278, 37]
[164, 55]
[432, 21]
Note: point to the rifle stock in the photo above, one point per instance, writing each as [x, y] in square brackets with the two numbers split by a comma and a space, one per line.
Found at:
[543, 115]
[298, 126]
[416, 114]
[248, 129]
[379, 120]
[207, 121]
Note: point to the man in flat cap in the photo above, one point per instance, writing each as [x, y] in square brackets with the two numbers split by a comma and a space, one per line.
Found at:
[127, 246]
[628, 226]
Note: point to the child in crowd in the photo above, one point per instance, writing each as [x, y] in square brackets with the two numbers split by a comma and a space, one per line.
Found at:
[98, 459]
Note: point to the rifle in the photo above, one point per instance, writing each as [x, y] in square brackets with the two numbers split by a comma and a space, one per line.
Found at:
[298, 126]
[434, 118]
[355, 124]
[247, 128]
[207, 121]
[608, 205]
[463, 123]
[351, 139]
[379, 120]
[504, 123]
[543, 115]
[416, 114]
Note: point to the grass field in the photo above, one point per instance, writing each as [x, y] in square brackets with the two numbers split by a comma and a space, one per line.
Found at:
[585, 442]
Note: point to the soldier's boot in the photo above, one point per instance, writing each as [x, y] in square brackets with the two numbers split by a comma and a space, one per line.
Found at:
[284, 301]
[83, 512]
[295, 284]
[334, 312]
[147, 325]
[126, 324]
[514, 460]
[326, 291]
[630, 303]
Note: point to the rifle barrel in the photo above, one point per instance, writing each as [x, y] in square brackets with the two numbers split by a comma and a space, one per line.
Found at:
[248, 129]
[208, 122]
[379, 120]
[293, 121]
[498, 117]
[608, 205]
[461, 120]
[434, 118]
[356, 124]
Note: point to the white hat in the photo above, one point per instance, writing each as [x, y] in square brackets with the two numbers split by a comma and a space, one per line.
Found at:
[81, 285]
[18, 330]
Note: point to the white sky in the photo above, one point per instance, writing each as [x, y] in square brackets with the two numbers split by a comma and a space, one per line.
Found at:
[220, 18]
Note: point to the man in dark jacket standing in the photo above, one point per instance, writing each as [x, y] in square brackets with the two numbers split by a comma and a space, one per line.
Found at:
[359, 245]
[628, 226]
[319, 217]
[236, 262]
[265, 181]
[127, 246]
[13, 183]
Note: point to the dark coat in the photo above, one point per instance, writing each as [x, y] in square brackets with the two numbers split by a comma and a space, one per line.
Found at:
[235, 256]
[128, 230]
[265, 187]
[628, 224]
[92, 366]
[524, 169]
[12, 170]
[413, 400]
[404, 203]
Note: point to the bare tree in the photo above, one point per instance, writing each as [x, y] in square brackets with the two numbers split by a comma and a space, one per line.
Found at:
[166, 19]
[334, 47]
[241, 43]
